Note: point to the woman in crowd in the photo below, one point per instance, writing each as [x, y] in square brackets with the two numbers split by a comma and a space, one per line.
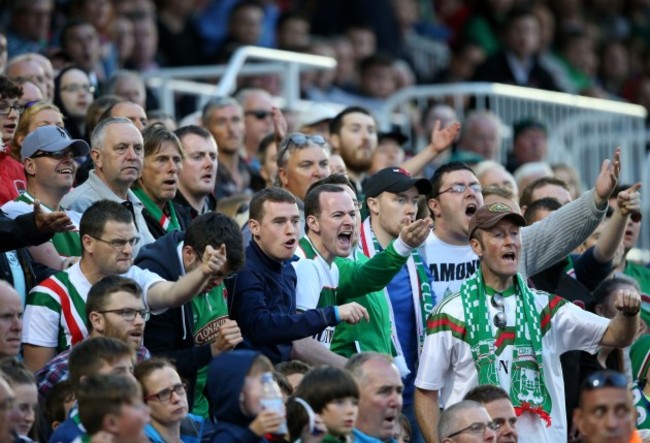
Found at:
[25, 406]
[73, 94]
[166, 396]
[37, 115]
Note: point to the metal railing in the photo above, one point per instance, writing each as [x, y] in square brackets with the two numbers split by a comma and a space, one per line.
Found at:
[287, 65]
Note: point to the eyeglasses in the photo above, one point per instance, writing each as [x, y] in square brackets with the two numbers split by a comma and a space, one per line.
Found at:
[259, 114]
[605, 379]
[476, 428]
[76, 87]
[129, 314]
[300, 140]
[460, 188]
[5, 108]
[119, 243]
[166, 394]
[499, 320]
[59, 155]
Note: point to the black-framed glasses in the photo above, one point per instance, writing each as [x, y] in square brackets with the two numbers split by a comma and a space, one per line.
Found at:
[77, 87]
[5, 108]
[604, 379]
[58, 155]
[119, 243]
[299, 140]
[166, 394]
[499, 319]
[259, 114]
[128, 314]
[460, 188]
[476, 428]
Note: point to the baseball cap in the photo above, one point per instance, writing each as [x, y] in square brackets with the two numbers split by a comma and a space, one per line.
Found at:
[316, 114]
[488, 216]
[51, 139]
[528, 123]
[394, 180]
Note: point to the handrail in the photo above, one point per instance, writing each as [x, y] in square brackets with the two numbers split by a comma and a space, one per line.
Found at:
[550, 97]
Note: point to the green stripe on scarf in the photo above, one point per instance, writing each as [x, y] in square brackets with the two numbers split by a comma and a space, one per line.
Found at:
[527, 389]
[168, 221]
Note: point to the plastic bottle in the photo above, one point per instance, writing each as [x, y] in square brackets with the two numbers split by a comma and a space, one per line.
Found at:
[271, 399]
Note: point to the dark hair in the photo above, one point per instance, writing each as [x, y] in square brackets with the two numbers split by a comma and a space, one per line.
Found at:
[548, 203]
[517, 13]
[192, 129]
[89, 356]
[287, 17]
[143, 369]
[608, 286]
[436, 178]
[292, 367]
[215, 229]
[9, 88]
[272, 194]
[68, 26]
[527, 193]
[376, 60]
[100, 103]
[337, 122]
[94, 218]
[70, 125]
[486, 394]
[312, 199]
[101, 291]
[333, 179]
[267, 141]
[54, 408]
[320, 386]
[103, 394]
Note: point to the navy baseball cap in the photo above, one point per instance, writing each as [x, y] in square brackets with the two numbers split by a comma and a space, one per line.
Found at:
[395, 180]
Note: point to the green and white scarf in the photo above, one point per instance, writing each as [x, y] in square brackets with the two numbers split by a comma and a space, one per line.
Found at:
[527, 389]
[169, 221]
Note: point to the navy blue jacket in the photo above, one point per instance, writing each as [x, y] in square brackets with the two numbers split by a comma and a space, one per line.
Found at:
[226, 376]
[171, 333]
[262, 300]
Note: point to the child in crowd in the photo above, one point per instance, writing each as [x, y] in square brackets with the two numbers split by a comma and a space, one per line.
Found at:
[234, 391]
[333, 395]
[58, 403]
[26, 398]
[112, 404]
[403, 433]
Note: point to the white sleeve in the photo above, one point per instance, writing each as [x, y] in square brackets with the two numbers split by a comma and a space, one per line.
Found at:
[308, 287]
[575, 329]
[14, 209]
[146, 279]
[41, 325]
[435, 361]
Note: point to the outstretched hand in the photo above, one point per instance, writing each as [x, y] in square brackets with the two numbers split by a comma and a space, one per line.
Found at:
[607, 179]
[279, 124]
[441, 139]
[213, 261]
[55, 221]
[415, 233]
[628, 201]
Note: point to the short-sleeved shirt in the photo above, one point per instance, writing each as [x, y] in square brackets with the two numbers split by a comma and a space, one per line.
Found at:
[447, 365]
[55, 314]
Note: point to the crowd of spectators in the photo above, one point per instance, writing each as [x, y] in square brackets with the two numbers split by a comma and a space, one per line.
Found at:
[166, 279]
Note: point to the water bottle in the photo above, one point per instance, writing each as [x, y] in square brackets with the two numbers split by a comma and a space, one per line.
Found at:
[271, 399]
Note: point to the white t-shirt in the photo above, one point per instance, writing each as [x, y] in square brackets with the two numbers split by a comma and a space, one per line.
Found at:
[450, 265]
[447, 366]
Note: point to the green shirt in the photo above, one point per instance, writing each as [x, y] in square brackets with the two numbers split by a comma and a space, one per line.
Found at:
[210, 311]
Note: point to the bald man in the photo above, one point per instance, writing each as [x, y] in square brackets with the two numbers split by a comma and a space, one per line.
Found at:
[11, 320]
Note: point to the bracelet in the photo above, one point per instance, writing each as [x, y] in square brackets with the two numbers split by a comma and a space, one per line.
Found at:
[630, 314]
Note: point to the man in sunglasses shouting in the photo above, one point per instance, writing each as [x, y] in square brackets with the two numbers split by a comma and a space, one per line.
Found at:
[496, 330]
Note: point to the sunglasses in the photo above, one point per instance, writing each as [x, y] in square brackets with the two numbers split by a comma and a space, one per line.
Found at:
[605, 379]
[259, 114]
[299, 140]
[499, 320]
[58, 155]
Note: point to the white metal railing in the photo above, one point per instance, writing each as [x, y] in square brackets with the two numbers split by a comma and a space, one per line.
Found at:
[288, 65]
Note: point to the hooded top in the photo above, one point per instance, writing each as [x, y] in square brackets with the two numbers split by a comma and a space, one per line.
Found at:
[226, 376]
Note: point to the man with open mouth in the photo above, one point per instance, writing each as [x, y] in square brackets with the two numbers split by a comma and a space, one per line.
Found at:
[496, 330]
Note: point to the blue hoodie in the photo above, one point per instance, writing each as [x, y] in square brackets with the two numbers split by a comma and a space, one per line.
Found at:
[226, 376]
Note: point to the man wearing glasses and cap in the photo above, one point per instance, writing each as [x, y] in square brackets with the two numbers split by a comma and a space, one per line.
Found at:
[496, 330]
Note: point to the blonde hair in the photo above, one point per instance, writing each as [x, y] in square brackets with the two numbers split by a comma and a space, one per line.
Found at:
[26, 119]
